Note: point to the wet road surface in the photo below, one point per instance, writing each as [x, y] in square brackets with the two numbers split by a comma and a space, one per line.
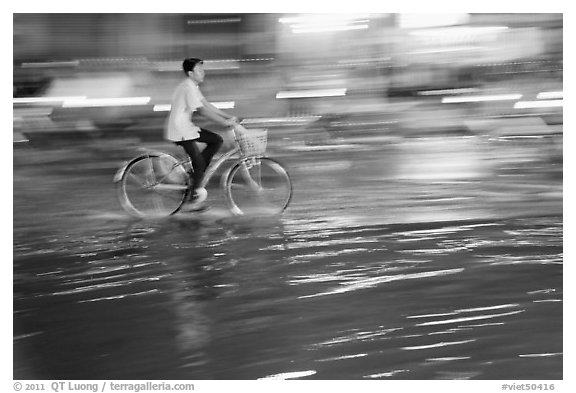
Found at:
[378, 270]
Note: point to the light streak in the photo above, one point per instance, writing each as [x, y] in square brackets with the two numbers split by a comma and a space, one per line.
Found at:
[311, 93]
[538, 104]
[498, 97]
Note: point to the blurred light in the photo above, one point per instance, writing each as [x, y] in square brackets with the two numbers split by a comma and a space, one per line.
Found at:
[318, 23]
[224, 104]
[303, 119]
[113, 61]
[52, 64]
[363, 61]
[260, 59]
[458, 31]
[42, 100]
[162, 108]
[499, 97]
[538, 104]
[99, 102]
[444, 50]
[311, 93]
[357, 124]
[214, 21]
[419, 21]
[447, 91]
[316, 19]
[550, 95]
[219, 105]
[327, 29]
[291, 375]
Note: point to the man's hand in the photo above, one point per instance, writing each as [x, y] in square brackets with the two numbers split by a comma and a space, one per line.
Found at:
[232, 122]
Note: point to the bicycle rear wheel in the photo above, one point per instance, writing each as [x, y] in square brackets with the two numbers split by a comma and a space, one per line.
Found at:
[259, 186]
[153, 185]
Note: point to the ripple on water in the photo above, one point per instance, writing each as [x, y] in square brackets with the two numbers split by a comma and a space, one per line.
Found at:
[376, 301]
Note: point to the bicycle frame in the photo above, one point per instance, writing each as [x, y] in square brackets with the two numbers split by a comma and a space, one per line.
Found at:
[214, 165]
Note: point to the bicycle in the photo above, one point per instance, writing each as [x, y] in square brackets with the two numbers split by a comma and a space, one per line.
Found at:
[156, 183]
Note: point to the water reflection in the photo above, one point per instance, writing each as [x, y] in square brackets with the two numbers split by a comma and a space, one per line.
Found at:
[339, 285]
[169, 299]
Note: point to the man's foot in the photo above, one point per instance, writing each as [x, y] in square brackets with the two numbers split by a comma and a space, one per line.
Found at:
[195, 203]
[199, 195]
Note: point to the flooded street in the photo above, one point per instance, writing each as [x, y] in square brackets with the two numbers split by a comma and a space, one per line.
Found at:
[386, 265]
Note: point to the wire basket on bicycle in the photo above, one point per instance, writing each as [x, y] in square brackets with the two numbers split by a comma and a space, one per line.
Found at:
[252, 142]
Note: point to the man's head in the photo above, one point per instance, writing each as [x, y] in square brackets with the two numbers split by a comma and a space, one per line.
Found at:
[194, 69]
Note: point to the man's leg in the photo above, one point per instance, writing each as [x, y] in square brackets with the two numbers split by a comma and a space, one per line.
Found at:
[198, 162]
[213, 143]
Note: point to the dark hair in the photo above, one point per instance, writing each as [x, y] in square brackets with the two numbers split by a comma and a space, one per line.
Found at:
[189, 64]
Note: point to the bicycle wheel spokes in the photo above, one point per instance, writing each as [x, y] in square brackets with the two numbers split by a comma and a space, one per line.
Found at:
[137, 179]
[258, 186]
[153, 185]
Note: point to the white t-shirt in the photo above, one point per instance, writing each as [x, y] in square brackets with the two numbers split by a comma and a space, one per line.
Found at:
[186, 100]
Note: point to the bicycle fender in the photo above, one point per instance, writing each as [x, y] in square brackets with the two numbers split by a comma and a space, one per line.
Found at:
[120, 172]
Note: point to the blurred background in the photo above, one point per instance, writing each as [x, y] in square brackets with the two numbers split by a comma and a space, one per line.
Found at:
[315, 78]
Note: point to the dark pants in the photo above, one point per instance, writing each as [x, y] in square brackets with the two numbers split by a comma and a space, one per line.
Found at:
[201, 160]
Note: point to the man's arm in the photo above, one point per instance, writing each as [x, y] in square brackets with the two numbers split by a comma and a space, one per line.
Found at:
[211, 107]
[217, 115]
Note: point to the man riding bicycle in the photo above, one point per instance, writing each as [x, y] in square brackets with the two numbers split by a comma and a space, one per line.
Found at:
[180, 129]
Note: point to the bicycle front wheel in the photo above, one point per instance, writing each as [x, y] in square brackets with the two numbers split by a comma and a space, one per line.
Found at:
[258, 186]
[153, 185]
